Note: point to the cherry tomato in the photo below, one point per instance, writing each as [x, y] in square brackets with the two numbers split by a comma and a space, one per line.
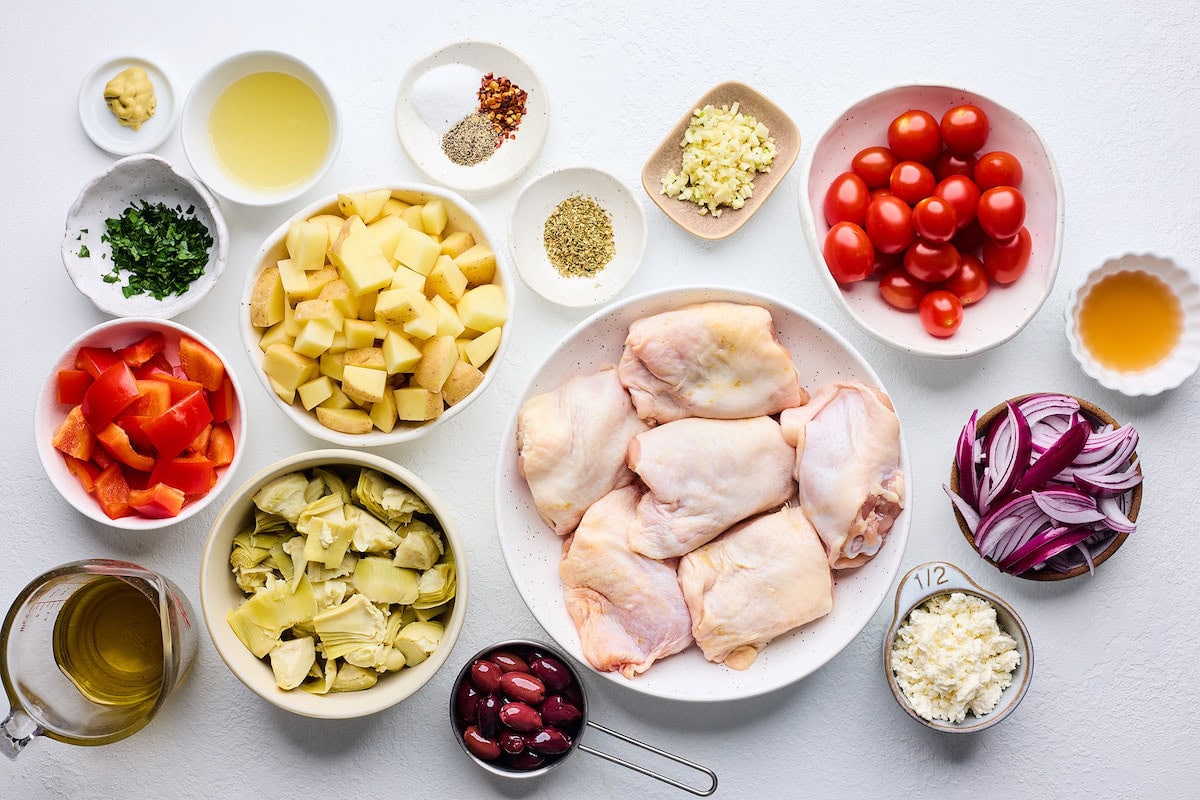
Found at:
[1006, 260]
[964, 129]
[874, 165]
[914, 136]
[970, 283]
[911, 181]
[998, 168]
[963, 194]
[1001, 212]
[848, 253]
[885, 192]
[889, 224]
[901, 290]
[886, 262]
[969, 238]
[846, 200]
[941, 313]
[948, 164]
[934, 219]
[931, 263]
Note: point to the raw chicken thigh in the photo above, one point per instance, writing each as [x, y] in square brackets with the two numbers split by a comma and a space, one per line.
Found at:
[717, 360]
[757, 581]
[571, 445]
[848, 466]
[704, 475]
[628, 609]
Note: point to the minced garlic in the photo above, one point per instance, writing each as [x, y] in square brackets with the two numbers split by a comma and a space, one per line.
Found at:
[951, 657]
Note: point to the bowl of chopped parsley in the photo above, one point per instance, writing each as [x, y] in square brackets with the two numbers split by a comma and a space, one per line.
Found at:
[143, 239]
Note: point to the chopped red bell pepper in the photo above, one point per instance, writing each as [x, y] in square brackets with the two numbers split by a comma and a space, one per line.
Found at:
[132, 425]
[135, 478]
[154, 397]
[72, 384]
[74, 437]
[108, 396]
[143, 350]
[102, 459]
[116, 441]
[179, 387]
[158, 501]
[95, 360]
[221, 445]
[199, 445]
[112, 492]
[192, 475]
[201, 364]
[84, 471]
[157, 365]
[223, 401]
[177, 427]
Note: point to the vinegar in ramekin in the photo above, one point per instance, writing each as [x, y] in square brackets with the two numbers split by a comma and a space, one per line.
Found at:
[1130, 321]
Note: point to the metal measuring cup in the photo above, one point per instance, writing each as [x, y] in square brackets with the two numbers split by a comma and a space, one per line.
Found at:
[584, 723]
[43, 699]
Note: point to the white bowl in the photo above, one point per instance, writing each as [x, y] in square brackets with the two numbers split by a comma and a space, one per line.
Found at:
[527, 222]
[137, 178]
[196, 110]
[1006, 309]
[1182, 361]
[49, 414]
[421, 126]
[219, 594]
[532, 552]
[462, 216]
[102, 127]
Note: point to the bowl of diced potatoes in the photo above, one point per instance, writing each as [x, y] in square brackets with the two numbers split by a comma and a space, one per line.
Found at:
[376, 315]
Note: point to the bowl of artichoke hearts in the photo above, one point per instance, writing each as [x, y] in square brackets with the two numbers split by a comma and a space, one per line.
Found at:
[333, 584]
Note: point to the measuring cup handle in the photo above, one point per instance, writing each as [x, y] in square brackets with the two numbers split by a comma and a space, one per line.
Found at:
[637, 768]
[16, 732]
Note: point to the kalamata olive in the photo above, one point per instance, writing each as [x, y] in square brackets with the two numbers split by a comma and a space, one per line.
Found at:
[558, 712]
[552, 672]
[525, 761]
[548, 741]
[522, 687]
[508, 662]
[573, 695]
[486, 676]
[512, 743]
[488, 714]
[480, 745]
[520, 717]
[465, 698]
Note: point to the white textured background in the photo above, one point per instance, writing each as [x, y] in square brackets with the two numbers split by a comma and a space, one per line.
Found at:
[1114, 90]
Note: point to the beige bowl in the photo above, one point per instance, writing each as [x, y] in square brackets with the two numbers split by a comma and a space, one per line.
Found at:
[220, 594]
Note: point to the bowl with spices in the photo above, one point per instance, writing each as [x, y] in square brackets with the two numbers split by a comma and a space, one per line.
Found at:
[127, 105]
[577, 235]
[1133, 324]
[721, 161]
[957, 658]
[472, 116]
[142, 239]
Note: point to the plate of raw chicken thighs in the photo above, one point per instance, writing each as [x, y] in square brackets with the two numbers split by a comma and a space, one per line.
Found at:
[702, 494]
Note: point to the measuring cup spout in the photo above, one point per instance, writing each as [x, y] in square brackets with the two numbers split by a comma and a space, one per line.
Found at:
[16, 732]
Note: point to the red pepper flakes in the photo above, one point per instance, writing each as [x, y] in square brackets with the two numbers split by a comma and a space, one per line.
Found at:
[502, 102]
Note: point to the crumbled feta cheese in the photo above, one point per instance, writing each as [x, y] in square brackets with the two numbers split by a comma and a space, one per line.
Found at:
[951, 657]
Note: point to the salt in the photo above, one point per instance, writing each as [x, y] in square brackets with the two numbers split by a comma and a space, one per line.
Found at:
[446, 94]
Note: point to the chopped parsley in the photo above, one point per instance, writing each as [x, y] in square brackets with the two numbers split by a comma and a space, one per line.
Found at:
[83, 251]
[162, 249]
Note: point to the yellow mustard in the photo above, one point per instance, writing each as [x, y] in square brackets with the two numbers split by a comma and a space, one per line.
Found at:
[130, 97]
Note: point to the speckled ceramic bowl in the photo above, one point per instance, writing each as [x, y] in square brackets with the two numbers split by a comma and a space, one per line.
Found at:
[936, 578]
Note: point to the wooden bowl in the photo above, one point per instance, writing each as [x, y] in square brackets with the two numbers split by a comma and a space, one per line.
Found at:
[1094, 413]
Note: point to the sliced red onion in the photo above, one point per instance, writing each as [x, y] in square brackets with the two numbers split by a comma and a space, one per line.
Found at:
[1040, 406]
[969, 514]
[1100, 446]
[1068, 506]
[1056, 458]
[1002, 520]
[1112, 485]
[1051, 543]
[1114, 516]
[1009, 454]
[968, 479]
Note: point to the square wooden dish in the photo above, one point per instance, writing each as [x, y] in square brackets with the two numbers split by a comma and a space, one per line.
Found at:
[667, 156]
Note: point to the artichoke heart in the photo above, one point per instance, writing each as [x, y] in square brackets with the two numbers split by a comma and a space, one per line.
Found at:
[294, 547]
[349, 626]
[370, 535]
[388, 500]
[324, 679]
[330, 593]
[252, 579]
[351, 678]
[381, 582]
[278, 608]
[420, 548]
[324, 523]
[418, 639]
[284, 496]
[266, 523]
[291, 661]
[334, 485]
[317, 572]
[436, 585]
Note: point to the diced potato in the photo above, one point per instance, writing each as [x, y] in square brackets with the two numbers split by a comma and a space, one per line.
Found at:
[416, 404]
[331, 364]
[483, 308]
[367, 206]
[382, 329]
[478, 264]
[318, 280]
[386, 232]
[417, 251]
[359, 333]
[433, 217]
[267, 299]
[338, 292]
[480, 349]
[306, 243]
[316, 335]
[294, 280]
[276, 334]
[333, 224]
[339, 343]
[395, 307]
[412, 216]
[319, 309]
[345, 420]
[447, 280]
[338, 399]
[285, 394]
[363, 384]
[426, 324]
[399, 354]
[457, 243]
[448, 322]
[406, 278]
[315, 392]
[361, 263]
[393, 207]
[461, 345]
[463, 380]
[438, 357]
[366, 306]
[365, 357]
[288, 367]
[383, 413]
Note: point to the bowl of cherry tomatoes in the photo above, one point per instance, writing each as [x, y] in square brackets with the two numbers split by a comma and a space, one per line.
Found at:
[934, 217]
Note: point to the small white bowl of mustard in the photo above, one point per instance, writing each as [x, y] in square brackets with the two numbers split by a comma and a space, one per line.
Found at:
[1133, 324]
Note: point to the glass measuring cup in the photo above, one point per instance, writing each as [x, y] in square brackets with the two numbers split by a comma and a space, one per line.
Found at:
[89, 652]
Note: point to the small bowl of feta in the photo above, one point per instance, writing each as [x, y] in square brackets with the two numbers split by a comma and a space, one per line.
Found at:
[957, 657]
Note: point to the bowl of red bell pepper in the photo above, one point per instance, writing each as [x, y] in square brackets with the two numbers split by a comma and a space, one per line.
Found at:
[140, 423]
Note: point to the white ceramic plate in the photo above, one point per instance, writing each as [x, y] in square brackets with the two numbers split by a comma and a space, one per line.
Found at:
[421, 129]
[532, 551]
[526, 226]
[137, 178]
[102, 127]
[1006, 309]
